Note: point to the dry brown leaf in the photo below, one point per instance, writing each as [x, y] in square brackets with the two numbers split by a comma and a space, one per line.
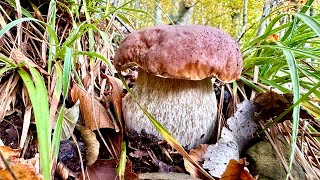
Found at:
[106, 169]
[26, 124]
[70, 118]
[93, 119]
[273, 104]
[102, 169]
[9, 154]
[236, 171]
[91, 142]
[64, 172]
[18, 56]
[8, 95]
[116, 96]
[272, 99]
[197, 156]
[23, 169]
[55, 98]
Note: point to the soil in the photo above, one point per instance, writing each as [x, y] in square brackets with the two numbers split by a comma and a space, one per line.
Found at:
[149, 155]
[10, 130]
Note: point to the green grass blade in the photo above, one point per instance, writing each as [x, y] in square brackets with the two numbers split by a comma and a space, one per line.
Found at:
[251, 84]
[296, 110]
[14, 23]
[7, 61]
[306, 6]
[51, 22]
[311, 108]
[274, 84]
[21, 20]
[312, 129]
[96, 55]
[122, 163]
[311, 22]
[305, 52]
[6, 69]
[39, 100]
[58, 128]
[302, 99]
[57, 134]
[66, 72]
[24, 11]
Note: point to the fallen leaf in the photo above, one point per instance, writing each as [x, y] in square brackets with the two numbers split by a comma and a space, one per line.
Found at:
[8, 90]
[272, 99]
[91, 142]
[8, 154]
[273, 104]
[116, 96]
[106, 169]
[70, 118]
[236, 171]
[64, 172]
[95, 115]
[23, 169]
[197, 155]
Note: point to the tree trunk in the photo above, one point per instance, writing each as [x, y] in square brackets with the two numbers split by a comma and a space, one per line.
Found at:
[158, 13]
[244, 19]
[185, 12]
[267, 6]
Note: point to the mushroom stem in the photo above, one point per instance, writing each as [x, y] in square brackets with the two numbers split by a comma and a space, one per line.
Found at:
[186, 108]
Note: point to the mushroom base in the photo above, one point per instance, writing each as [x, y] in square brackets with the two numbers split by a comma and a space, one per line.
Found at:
[187, 109]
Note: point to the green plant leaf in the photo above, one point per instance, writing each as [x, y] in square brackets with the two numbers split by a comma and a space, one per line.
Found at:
[39, 100]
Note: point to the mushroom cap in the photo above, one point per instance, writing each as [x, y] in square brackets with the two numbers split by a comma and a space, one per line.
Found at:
[190, 52]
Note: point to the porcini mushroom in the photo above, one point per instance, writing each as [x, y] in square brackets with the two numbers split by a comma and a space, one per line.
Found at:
[174, 83]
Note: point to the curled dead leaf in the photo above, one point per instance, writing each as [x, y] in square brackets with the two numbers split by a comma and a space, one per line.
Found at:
[95, 115]
[70, 118]
[64, 172]
[116, 95]
[8, 154]
[273, 104]
[106, 169]
[197, 156]
[23, 169]
[91, 142]
[236, 171]
[272, 99]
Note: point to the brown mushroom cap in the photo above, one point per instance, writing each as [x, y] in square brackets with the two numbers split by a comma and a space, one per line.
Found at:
[191, 52]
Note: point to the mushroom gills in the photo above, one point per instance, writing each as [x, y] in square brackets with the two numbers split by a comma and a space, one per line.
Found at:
[186, 108]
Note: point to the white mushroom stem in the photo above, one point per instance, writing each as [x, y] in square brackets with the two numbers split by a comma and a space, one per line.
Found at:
[187, 109]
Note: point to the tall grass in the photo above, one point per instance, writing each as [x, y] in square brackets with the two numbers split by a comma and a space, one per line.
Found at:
[289, 63]
[63, 49]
